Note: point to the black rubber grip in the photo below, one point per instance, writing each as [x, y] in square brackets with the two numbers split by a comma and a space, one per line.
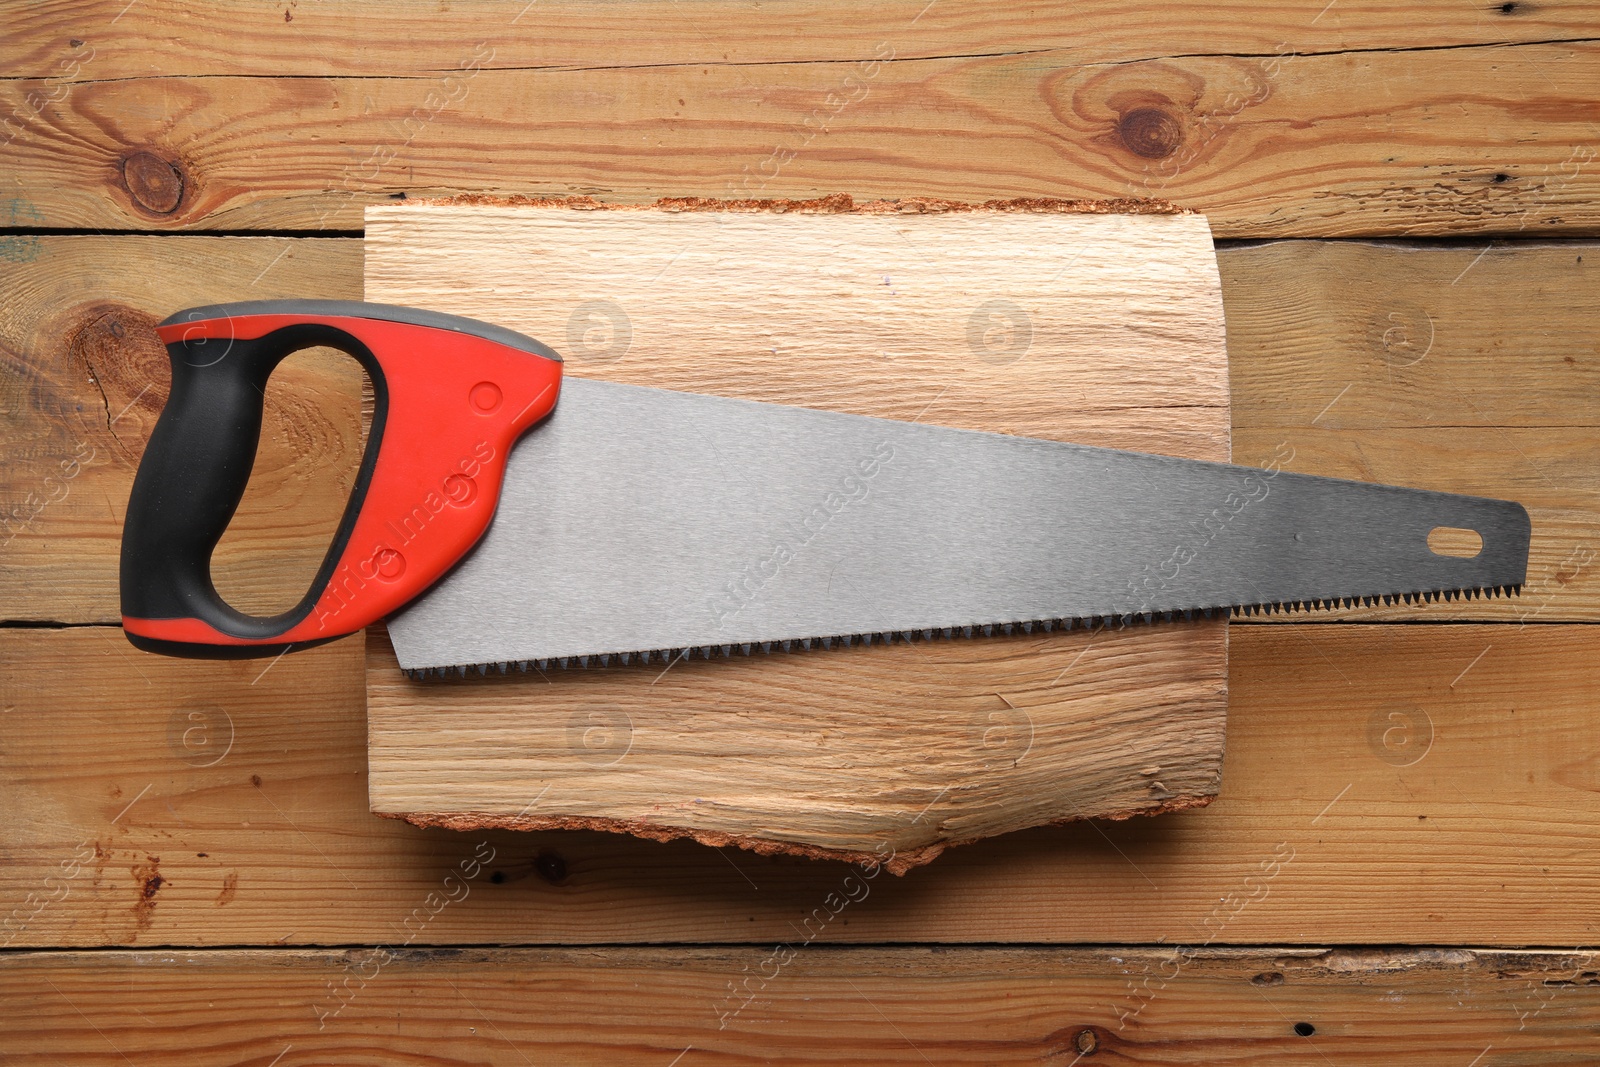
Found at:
[453, 395]
[199, 460]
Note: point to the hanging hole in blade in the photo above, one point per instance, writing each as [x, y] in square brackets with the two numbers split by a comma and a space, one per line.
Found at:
[1455, 542]
[316, 418]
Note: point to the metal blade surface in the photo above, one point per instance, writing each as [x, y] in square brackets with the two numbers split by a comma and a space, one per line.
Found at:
[639, 520]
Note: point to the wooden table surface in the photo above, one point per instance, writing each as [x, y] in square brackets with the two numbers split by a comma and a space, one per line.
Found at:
[1403, 858]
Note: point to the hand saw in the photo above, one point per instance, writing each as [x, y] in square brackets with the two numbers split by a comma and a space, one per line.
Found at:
[495, 526]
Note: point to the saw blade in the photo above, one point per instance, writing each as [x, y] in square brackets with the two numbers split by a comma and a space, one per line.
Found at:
[641, 522]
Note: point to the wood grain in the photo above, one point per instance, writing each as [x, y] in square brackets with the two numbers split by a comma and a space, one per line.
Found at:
[1422, 784]
[408, 37]
[1100, 328]
[1444, 1007]
[1105, 329]
[1274, 120]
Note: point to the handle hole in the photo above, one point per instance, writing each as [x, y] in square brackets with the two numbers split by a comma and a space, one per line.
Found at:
[314, 426]
[1454, 541]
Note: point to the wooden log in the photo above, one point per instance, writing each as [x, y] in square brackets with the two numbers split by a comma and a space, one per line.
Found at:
[1489, 838]
[875, 755]
[1432, 400]
[1289, 125]
[790, 1005]
[1092, 327]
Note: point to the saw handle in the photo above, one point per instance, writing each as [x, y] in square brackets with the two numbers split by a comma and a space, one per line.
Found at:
[452, 396]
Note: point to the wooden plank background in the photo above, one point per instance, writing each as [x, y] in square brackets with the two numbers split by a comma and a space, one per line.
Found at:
[1274, 118]
[1349, 751]
[182, 837]
[1438, 1008]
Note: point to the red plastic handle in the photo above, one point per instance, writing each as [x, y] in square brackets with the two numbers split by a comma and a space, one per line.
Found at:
[453, 396]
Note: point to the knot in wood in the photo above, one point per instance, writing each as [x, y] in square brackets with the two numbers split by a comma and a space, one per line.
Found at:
[155, 184]
[1150, 132]
[552, 867]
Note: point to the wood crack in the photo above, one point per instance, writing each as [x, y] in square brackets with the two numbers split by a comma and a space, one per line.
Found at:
[429, 74]
[1351, 51]
[105, 402]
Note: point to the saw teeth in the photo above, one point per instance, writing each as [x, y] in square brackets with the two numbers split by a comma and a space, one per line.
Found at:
[667, 656]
